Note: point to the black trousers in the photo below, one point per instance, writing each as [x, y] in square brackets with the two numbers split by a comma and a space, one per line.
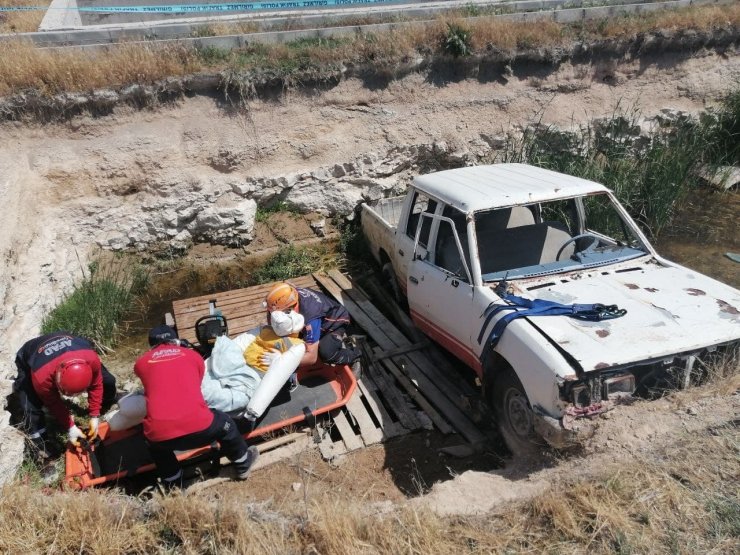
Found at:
[333, 350]
[27, 410]
[223, 429]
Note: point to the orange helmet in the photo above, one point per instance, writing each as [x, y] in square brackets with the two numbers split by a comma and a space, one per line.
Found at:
[73, 376]
[281, 297]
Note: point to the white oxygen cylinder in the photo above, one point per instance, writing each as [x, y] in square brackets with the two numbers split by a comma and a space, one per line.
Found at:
[131, 411]
[274, 379]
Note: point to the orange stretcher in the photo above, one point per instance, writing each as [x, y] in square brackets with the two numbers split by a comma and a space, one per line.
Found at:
[116, 455]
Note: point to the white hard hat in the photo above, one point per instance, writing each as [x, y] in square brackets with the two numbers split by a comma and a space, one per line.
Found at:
[286, 323]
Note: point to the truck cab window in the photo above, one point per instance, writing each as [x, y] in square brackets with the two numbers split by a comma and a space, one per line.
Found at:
[421, 203]
[446, 253]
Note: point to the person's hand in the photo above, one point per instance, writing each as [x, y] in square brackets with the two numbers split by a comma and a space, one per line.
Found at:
[270, 356]
[92, 431]
[74, 435]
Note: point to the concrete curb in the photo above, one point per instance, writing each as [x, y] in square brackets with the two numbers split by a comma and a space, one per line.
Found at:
[183, 32]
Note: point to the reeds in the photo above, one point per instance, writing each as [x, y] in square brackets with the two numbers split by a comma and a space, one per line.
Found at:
[650, 172]
[95, 307]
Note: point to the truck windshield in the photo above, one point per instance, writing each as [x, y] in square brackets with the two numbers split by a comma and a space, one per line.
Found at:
[552, 237]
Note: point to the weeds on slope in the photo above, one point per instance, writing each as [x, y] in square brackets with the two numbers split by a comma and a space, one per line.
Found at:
[650, 174]
[23, 66]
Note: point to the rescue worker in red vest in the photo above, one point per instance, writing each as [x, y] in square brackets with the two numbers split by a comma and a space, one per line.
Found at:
[50, 366]
[177, 417]
[325, 332]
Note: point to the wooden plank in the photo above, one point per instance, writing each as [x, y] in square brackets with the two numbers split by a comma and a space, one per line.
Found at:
[450, 404]
[358, 316]
[302, 281]
[389, 427]
[457, 417]
[417, 396]
[278, 449]
[451, 388]
[401, 318]
[401, 350]
[234, 303]
[284, 452]
[392, 395]
[330, 450]
[278, 441]
[370, 434]
[348, 435]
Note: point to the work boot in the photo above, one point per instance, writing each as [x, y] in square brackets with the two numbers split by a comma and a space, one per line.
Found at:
[357, 340]
[244, 467]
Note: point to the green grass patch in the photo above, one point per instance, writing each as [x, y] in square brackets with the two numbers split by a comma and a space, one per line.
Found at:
[97, 305]
[725, 513]
[290, 262]
[263, 212]
[317, 42]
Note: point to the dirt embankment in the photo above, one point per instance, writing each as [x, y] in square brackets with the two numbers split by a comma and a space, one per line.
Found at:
[64, 184]
[61, 183]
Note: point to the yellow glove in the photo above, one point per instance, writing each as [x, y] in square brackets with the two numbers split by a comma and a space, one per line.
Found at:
[92, 431]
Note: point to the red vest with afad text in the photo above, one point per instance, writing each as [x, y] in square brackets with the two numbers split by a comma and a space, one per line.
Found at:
[171, 376]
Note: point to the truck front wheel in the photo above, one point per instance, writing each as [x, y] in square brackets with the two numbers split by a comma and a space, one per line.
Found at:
[514, 415]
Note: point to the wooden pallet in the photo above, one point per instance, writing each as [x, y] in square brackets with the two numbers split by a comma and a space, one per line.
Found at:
[242, 308]
[368, 418]
[437, 389]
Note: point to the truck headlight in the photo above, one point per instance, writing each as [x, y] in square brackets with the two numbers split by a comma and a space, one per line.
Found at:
[618, 386]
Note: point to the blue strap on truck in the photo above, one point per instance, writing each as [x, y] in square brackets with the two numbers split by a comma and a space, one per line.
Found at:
[521, 308]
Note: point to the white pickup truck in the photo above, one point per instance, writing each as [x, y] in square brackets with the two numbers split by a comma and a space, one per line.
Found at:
[459, 238]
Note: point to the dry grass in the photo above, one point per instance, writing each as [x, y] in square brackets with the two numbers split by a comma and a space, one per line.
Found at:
[703, 19]
[22, 22]
[24, 67]
[675, 500]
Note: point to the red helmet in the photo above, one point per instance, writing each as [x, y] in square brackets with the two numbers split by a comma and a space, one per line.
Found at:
[73, 376]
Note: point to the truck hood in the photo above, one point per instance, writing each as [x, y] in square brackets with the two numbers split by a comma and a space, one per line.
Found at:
[670, 310]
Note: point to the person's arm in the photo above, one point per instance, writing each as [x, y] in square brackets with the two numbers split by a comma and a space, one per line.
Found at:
[311, 355]
[95, 391]
[311, 335]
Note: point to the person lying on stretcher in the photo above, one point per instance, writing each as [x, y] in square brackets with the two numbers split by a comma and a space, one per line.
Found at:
[242, 374]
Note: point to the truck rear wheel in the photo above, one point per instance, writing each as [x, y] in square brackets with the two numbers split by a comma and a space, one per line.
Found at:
[391, 281]
[514, 415]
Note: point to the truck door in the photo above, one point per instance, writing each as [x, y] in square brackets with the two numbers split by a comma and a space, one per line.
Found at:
[440, 288]
[406, 237]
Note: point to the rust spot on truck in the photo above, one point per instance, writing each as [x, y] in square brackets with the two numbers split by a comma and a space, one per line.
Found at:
[631, 286]
[695, 292]
[651, 289]
[724, 306]
[602, 333]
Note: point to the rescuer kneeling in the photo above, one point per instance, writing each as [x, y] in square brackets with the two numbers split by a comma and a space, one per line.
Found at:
[50, 366]
[177, 417]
